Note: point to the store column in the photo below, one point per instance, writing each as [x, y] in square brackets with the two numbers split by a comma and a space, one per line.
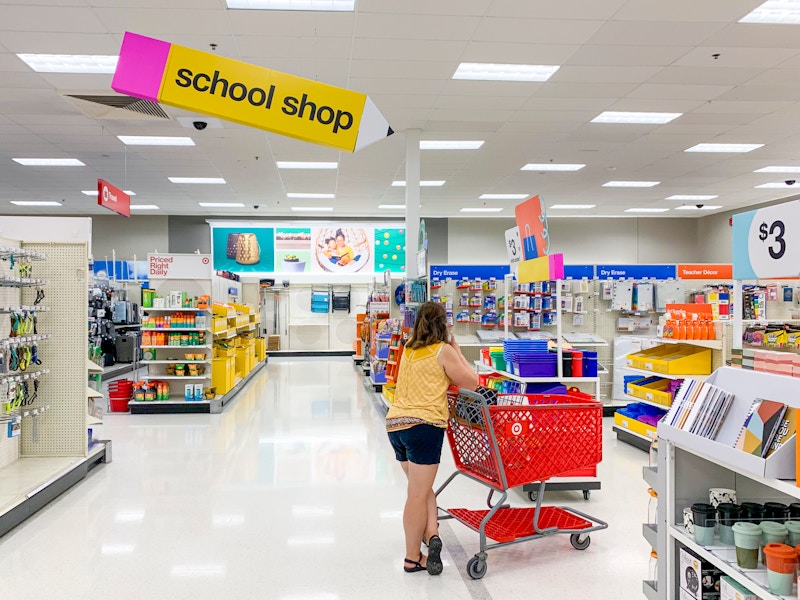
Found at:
[412, 201]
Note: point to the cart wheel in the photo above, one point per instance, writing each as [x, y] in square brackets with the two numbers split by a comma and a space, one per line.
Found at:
[586, 494]
[533, 496]
[577, 543]
[476, 568]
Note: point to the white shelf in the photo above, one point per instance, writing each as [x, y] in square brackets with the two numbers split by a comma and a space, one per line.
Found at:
[183, 347]
[648, 402]
[174, 377]
[633, 433]
[650, 533]
[665, 375]
[151, 309]
[93, 367]
[724, 558]
[172, 361]
[547, 379]
[157, 329]
[92, 393]
[712, 344]
[650, 476]
[92, 420]
[181, 401]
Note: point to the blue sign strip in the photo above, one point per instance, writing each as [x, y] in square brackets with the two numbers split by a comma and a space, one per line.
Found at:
[472, 272]
[636, 271]
[578, 271]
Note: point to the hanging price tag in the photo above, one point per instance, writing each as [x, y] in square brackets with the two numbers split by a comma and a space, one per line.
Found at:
[513, 245]
[766, 242]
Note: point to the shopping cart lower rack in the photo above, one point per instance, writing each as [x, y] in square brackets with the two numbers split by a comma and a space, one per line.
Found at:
[524, 439]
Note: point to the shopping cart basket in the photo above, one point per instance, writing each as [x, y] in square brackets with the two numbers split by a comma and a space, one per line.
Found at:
[524, 439]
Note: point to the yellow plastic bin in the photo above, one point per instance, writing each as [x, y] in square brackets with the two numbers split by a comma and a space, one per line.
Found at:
[222, 375]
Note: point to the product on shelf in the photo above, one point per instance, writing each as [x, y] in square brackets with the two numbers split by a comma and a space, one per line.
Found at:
[700, 408]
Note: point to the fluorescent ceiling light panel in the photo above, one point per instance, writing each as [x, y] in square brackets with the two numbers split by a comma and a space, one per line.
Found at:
[691, 197]
[779, 169]
[773, 185]
[36, 203]
[289, 164]
[319, 5]
[552, 167]
[421, 184]
[631, 184]
[503, 196]
[95, 192]
[647, 210]
[49, 162]
[221, 204]
[70, 63]
[504, 72]
[573, 206]
[300, 195]
[481, 210]
[312, 209]
[450, 145]
[724, 148]
[204, 180]
[144, 207]
[392, 206]
[155, 140]
[782, 12]
[635, 118]
[704, 207]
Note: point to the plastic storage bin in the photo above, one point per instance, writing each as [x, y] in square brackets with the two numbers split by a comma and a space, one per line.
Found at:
[672, 359]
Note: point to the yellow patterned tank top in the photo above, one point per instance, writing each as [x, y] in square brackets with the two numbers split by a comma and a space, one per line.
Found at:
[421, 394]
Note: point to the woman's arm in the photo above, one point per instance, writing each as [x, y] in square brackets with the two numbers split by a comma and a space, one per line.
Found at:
[457, 368]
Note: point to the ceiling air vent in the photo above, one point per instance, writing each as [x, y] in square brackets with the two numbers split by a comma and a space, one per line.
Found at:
[105, 106]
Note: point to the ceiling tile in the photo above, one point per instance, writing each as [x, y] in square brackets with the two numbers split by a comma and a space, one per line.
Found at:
[422, 27]
[656, 33]
[405, 49]
[570, 74]
[715, 11]
[754, 35]
[519, 53]
[322, 48]
[19, 17]
[564, 9]
[679, 92]
[598, 55]
[704, 75]
[60, 43]
[550, 31]
[759, 58]
[425, 7]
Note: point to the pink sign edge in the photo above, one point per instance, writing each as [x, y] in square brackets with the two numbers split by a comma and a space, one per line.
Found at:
[142, 61]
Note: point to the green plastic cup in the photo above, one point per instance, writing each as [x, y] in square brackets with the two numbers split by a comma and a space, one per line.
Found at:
[747, 538]
[772, 533]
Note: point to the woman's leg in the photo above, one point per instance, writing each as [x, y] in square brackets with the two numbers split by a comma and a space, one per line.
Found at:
[415, 515]
[432, 524]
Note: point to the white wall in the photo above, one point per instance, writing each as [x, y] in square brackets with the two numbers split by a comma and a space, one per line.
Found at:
[138, 235]
[582, 241]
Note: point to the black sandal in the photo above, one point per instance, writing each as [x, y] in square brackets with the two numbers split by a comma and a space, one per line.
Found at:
[417, 565]
[434, 564]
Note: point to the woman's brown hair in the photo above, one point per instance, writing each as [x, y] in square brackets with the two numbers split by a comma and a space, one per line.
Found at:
[430, 326]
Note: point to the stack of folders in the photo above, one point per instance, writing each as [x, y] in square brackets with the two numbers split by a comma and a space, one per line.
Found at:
[699, 408]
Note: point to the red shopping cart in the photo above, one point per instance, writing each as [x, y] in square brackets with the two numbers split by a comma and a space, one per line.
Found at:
[524, 439]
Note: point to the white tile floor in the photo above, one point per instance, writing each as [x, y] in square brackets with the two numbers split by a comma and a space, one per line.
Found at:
[293, 493]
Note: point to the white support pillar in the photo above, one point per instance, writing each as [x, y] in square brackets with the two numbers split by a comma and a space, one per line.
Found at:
[412, 201]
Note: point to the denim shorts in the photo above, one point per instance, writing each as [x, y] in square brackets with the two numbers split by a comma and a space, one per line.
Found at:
[420, 444]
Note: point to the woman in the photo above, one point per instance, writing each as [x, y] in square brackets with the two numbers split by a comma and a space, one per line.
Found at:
[344, 250]
[416, 423]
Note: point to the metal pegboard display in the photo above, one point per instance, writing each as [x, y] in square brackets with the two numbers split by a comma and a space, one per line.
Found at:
[9, 447]
[62, 430]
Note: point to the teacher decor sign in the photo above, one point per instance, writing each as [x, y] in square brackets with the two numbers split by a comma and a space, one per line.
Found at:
[247, 94]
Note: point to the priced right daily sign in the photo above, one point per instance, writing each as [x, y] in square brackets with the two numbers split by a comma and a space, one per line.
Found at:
[766, 242]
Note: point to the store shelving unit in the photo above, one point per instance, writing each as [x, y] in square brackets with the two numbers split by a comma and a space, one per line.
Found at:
[53, 450]
[174, 353]
[689, 465]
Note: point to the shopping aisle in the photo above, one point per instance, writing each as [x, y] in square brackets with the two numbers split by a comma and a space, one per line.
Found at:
[293, 493]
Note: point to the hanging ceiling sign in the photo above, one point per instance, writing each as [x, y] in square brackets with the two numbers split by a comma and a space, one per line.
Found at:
[766, 242]
[247, 94]
[113, 198]
[179, 266]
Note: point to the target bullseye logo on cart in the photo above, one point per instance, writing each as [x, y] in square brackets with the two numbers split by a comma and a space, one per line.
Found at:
[517, 428]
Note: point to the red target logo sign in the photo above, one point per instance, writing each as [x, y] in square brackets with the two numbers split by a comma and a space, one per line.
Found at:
[206, 261]
[517, 428]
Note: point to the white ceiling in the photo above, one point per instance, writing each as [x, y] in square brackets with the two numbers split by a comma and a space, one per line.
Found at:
[624, 55]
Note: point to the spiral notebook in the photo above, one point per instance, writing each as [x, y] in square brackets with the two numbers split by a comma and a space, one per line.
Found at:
[760, 427]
